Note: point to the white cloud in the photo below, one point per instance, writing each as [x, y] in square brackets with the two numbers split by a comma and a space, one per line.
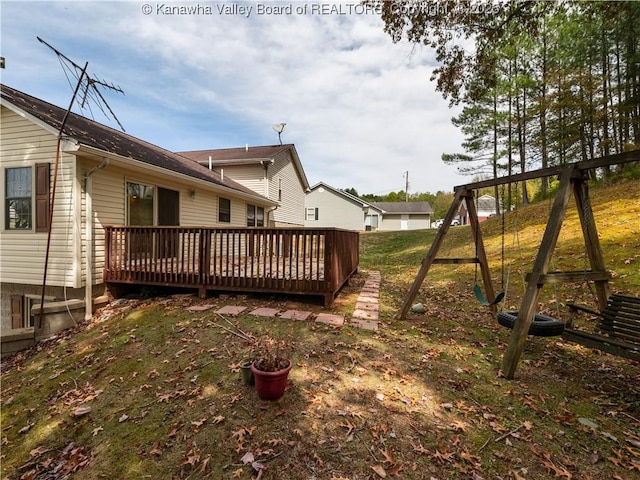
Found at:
[360, 109]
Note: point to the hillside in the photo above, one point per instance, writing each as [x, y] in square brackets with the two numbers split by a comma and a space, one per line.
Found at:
[151, 390]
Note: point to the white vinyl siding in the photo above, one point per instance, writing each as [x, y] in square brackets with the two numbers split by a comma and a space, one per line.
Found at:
[250, 176]
[334, 210]
[413, 221]
[23, 144]
[284, 178]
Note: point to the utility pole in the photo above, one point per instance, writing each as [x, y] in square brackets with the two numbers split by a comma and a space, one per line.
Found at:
[406, 186]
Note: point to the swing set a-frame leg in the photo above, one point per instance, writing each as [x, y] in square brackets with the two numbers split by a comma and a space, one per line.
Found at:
[481, 257]
[540, 267]
[431, 254]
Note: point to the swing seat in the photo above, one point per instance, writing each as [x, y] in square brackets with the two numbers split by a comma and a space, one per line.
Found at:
[483, 301]
[541, 326]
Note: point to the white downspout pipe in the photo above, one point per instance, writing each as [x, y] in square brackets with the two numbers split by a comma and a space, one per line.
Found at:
[88, 188]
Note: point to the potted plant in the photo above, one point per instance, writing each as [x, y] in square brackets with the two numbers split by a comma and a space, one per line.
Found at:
[271, 367]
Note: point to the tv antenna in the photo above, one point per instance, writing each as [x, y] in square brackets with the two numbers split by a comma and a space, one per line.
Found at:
[88, 88]
[279, 128]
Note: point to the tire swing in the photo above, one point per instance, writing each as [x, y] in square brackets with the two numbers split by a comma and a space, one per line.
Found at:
[541, 326]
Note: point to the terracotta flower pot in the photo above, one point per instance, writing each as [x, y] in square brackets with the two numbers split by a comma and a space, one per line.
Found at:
[270, 385]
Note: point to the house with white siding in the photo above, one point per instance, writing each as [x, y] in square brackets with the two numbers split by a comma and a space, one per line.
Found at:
[405, 215]
[326, 206]
[104, 177]
[274, 171]
[485, 206]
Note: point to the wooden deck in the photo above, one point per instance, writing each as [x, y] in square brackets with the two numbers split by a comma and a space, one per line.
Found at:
[275, 260]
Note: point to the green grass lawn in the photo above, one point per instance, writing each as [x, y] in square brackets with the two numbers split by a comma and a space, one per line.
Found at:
[153, 391]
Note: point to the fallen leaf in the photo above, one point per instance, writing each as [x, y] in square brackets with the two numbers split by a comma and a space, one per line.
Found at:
[80, 412]
[204, 463]
[199, 423]
[379, 469]
[587, 422]
[36, 452]
[247, 458]
[96, 431]
[123, 418]
[388, 456]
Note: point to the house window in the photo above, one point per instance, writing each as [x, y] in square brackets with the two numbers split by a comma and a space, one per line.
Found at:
[18, 202]
[371, 221]
[140, 198]
[255, 216]
[21, 315]
[259, 217]
[312, 213]
[224, 210]
[251, 215]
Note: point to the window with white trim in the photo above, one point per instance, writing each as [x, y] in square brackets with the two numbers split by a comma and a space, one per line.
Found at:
[312, 213]
[18, 201]
[255, 216]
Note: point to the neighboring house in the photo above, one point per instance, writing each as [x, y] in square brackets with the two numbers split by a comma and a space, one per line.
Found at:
[485, 206]
[326, 206]
[274, 171]
[405, 215]
[105, 177]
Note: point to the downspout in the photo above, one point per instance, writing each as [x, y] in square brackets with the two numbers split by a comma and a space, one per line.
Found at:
[88, 188]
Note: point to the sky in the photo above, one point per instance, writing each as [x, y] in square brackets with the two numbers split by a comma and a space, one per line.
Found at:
[360, 110]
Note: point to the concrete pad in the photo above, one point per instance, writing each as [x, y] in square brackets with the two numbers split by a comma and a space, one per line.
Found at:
[330, 319]
[265, 312]
[369, 307]
[295, 315]
[231, 310]
[365, 315]
[200, 308]
[366, 324]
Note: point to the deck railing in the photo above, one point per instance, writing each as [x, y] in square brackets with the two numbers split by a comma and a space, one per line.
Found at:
[279, 260]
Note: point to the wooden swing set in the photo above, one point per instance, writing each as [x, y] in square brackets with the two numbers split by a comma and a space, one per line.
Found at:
[572, 179]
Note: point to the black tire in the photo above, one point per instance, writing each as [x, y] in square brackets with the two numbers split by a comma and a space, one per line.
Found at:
[542, 325]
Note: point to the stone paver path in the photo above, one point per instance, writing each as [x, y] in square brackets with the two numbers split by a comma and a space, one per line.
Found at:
[365, 315]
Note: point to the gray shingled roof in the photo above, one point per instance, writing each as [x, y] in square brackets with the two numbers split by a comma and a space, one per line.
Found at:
[405, 207]
[102, 137]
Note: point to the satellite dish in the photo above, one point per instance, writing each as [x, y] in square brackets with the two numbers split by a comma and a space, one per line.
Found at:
[279, 128]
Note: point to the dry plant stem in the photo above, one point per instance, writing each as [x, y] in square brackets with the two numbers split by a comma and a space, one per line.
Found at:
[502, 437]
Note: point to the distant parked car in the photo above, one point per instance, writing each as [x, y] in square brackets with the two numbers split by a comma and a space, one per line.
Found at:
[438, 223]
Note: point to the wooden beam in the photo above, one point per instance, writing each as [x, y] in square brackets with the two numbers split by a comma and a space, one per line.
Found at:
[625, 157]
[591, 240]
[480, 251]
[455, 260]
[431, 254]
[555, 278]
[540, 267]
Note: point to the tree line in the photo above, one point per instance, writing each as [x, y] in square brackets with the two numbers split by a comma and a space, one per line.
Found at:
[541, 83]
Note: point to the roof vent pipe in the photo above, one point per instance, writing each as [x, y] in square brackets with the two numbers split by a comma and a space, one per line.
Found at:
[210, 163]
[222, 174]
[246, 147]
